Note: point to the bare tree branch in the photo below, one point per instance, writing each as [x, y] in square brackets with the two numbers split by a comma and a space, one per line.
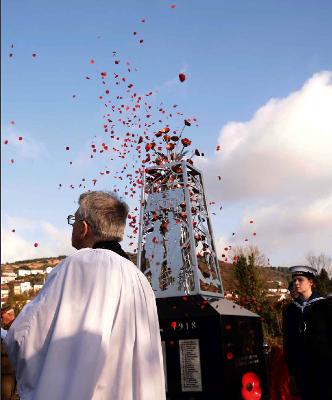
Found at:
[320, 262]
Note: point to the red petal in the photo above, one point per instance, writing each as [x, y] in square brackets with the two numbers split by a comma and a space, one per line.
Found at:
[182, 77]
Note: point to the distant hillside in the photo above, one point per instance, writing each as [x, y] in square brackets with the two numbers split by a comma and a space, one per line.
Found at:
[226, 270]
[269, 275]
[37, 263]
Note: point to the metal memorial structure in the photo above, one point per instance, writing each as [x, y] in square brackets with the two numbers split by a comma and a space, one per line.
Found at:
[212, 348]
[176, 245]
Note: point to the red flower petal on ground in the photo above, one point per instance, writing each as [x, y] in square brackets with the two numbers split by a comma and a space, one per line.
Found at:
[20, 138]
[182, 77]
[92, 61]
[5, 142]
[36, 244]
[218, 148]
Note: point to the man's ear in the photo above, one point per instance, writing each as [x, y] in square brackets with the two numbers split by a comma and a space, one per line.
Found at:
[85, 231]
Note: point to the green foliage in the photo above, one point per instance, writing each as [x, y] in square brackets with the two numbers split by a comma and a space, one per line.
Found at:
[249, 285]
[252, 294]
[36, 260]
[37, 279]
[323, 283]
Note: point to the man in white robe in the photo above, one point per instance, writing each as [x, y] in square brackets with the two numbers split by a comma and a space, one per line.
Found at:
[92, 332]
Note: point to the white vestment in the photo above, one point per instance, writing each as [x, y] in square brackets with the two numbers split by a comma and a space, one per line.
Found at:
[92, 332]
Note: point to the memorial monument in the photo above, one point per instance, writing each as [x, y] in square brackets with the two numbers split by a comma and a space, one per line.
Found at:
[212, 347]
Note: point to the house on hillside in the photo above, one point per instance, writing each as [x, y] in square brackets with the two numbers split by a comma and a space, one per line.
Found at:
[37, 271]
[4, 294]
[7, 277]
[23, 272]
[37, 287]
[276, 289]
[4, 291]
[16, 288]
[25, 287]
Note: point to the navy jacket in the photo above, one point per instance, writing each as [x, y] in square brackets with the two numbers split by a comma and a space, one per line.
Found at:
[308, 345]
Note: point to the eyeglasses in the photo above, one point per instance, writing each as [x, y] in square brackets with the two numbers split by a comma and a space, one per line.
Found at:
[71, 219]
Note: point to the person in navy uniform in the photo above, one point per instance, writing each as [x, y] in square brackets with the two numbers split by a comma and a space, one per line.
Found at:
[308, 337]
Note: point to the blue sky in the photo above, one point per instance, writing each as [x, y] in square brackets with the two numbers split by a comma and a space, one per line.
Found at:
[237, 56]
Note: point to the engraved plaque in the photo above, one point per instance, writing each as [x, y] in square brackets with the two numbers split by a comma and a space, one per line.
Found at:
[190, 363]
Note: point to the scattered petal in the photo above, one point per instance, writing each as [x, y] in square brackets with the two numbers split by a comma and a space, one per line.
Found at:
[182, 77]
[186, 142]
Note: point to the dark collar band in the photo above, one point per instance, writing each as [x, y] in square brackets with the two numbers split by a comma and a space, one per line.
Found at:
[113, 246]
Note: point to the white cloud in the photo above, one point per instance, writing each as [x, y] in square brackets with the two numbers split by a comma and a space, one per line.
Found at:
[28, 147]
[278, 166]
[19, 245]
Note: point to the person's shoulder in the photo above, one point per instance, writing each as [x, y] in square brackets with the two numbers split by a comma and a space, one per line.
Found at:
[291, 308]
[102, 256]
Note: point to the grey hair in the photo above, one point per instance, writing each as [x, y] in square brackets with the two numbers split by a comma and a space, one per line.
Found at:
[106, 214]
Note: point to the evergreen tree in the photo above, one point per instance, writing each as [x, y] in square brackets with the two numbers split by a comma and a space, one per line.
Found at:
[249, 286]
[324, 284]
[252, 294]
